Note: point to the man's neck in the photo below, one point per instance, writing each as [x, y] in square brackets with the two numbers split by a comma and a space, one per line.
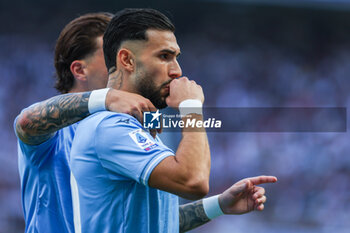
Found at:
[115, 80]
[118, 80]
[77, 89]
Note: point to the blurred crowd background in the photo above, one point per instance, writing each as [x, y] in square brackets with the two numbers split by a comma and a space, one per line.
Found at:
[244, 54]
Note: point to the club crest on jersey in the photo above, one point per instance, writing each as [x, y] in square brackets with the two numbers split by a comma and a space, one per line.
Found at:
[141, 139]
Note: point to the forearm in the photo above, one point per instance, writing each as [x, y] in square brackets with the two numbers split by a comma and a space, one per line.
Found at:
[187, 173]
[192, 215]
[37, 123]
[193, 155]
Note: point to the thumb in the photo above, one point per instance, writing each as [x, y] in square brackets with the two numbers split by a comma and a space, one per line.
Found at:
[168, 101]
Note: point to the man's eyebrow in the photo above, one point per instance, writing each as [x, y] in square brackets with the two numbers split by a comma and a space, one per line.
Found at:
[172, 52]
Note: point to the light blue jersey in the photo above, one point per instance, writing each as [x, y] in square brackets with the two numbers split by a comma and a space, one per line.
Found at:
[45, 175]
[112, 158]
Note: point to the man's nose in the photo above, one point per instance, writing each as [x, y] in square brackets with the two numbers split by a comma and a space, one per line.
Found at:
[175, 70]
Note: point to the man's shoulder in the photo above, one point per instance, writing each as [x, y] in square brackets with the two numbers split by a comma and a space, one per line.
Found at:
[114, 118]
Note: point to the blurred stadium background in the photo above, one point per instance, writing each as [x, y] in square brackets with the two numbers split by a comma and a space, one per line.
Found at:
[248, 53]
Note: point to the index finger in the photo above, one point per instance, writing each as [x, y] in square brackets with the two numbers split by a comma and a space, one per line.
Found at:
[262, 179]
[138, 114]
[146, 106]
[150, 107]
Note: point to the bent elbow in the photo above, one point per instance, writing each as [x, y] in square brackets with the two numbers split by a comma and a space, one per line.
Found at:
[22, 124]
[198, 189]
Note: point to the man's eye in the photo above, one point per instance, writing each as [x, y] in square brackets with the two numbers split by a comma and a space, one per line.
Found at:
[164, 56]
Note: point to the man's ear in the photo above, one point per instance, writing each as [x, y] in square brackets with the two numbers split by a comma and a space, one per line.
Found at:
[126, 59]
[77, 68]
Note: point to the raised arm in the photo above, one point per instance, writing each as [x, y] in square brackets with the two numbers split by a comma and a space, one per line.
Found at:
[40, 121]
[242, 197]
[187, 173]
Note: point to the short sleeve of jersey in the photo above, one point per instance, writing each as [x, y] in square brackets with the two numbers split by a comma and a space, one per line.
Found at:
[36, 153]
[126, 150]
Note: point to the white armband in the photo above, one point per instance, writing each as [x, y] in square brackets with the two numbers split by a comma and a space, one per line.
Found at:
[190, 106]
[97, 100]
[211, 207]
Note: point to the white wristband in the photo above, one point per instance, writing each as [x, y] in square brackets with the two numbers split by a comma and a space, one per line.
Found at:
[190, 106]
[97, 100]
[211, 207]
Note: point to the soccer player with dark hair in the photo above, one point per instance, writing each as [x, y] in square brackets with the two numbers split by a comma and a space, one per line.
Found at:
[123, 179]
[45, 130]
